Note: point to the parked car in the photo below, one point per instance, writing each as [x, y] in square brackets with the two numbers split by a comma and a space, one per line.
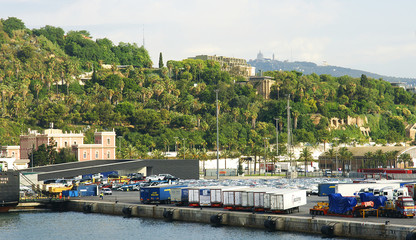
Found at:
[166, 176]
[154, 178]
[135, 176]
[106, 191]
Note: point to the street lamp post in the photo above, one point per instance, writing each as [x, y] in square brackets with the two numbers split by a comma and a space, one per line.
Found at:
[176, 145]
[265, 153]
[119, 145]
[184, 148]
[218, 154]
[277, 138]
[33, 146]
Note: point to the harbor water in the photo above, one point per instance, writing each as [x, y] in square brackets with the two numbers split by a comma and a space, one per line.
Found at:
[74, 225]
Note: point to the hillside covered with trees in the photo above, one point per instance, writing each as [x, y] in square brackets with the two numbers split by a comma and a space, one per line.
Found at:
[153, 110]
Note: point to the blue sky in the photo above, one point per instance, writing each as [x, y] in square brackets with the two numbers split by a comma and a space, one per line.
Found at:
[378, 36]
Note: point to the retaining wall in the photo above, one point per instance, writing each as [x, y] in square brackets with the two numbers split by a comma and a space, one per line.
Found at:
[309, 225]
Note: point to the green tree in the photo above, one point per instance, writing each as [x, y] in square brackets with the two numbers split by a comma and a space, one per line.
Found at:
[161, 65]
[306, 156]
[11, 24]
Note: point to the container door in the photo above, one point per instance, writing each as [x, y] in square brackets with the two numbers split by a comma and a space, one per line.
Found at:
[217, 198]
[244, 202]
[261, 199]
[266, 201]
[237, 198]
[213, 195]
[256, 199]
[250, 197]
[280, 202]
[273, 202]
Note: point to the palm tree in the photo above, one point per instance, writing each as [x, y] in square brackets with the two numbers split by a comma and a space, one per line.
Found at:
[405, 158]
[368, 156]
[380, 157]
[295, 118]
[343, 155]
[306, 156]
[331, 154]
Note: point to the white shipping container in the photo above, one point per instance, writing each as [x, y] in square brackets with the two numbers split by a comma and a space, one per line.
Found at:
[287, 199]
[349, 189]
[193, 195]
[232, 196]
[216, 196]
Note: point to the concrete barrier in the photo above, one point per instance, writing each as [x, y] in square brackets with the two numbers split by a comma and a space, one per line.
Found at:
[309, 225]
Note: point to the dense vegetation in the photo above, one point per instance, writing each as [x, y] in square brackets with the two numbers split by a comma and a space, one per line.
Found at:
[175, 106]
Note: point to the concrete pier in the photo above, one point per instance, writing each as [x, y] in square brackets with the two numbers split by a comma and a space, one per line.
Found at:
[272, 222]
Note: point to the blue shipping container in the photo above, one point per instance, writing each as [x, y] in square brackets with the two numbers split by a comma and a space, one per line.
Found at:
[70, 193]
[88, 190]
[324, 189]
[157, 194]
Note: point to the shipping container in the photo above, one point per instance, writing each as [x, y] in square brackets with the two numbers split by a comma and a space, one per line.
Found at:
[254, 197]
[157, 194]
[286, 201]
[88, 190]
[232, 197]
[199, 196]
[179, 196]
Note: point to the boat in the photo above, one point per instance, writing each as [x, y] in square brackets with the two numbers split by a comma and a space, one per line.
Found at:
[9, 190]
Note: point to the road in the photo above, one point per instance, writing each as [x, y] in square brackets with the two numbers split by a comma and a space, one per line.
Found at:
[133, 198]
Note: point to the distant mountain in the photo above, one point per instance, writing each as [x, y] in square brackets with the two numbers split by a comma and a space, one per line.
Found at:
[309, 68]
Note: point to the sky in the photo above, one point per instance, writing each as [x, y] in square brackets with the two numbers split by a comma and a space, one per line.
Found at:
[377, 36]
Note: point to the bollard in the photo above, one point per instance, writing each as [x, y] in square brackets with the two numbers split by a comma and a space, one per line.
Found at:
[411, 235]
[87, 208]
[127, 212]
[168, 214]
[270, 224]
[216, 220]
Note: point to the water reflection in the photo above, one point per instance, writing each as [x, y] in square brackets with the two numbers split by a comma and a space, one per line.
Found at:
[72, 225]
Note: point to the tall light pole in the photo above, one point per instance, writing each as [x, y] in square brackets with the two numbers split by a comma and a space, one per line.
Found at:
[119, 145]
[218, 151]
[176, 145]
[33, 146]
[265, 153]
[277, 138]
[184, 148]
[288, 133]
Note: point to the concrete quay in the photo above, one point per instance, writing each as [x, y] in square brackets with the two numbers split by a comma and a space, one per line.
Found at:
[340, 227]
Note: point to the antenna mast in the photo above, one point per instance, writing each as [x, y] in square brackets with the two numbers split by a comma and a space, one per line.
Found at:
[288, 132]
[143, 35]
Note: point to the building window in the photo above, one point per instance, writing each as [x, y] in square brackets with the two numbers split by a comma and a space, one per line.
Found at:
[96, 154]
[66, 144]
[75, 142]
[108, 141]
[85, 155]
[12, 154]
[108, 154]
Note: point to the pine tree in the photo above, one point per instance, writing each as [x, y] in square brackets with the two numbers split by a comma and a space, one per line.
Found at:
[160, 61]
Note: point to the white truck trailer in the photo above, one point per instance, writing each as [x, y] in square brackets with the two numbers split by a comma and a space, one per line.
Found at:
[287, 200]
[349, 189]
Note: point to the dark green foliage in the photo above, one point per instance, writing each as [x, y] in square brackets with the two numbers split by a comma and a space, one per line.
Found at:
[11, 24]
[150, 107]
[160, 60]
[54, 34]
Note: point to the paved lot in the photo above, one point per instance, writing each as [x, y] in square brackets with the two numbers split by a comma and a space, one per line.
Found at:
[133, 198]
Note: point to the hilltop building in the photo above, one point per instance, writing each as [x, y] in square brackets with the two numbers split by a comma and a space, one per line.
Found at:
[236, 66]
